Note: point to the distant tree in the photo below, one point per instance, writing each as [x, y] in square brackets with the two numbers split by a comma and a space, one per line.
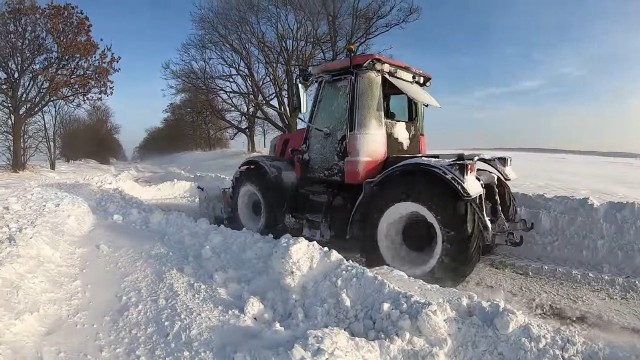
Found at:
[264, 129]
[91, 135]
[191, 123]
[47, 54]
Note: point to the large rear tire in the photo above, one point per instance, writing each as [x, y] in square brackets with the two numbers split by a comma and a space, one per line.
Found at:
[421, 226]
[255, 204]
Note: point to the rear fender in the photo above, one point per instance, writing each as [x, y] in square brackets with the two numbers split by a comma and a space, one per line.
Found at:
[467, 188]
[498, 165]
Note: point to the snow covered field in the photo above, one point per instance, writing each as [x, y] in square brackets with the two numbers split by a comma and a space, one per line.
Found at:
[110, 262]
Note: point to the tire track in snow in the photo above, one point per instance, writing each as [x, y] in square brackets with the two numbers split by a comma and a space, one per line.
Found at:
[598, 311]
[617, 286]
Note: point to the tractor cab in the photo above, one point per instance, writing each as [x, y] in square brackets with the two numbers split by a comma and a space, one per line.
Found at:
[366, 109]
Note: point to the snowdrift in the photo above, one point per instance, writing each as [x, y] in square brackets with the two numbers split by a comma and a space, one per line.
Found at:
[580, 233]
[186, 288]
[231, 294]
[191, 289]
[38, 272]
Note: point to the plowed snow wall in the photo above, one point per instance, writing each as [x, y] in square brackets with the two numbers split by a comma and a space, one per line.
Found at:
[580, 233]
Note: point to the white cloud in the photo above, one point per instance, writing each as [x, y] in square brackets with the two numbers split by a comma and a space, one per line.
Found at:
[572, 71]
[522, 86]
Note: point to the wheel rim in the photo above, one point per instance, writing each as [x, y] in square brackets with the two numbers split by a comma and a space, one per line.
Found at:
[251, 209]
[409, 238]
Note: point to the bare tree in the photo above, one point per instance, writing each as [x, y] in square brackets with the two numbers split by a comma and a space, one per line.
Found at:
[30, 143]
[244, 53]
[5, 137]
[47, 54]
[51, 119]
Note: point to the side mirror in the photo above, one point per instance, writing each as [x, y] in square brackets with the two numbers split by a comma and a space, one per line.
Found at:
[301, 98]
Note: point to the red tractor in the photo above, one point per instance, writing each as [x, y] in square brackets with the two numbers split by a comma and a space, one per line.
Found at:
[359, 175]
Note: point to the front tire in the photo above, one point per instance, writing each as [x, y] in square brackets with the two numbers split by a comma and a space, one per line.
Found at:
[421, 226]
[255, 204]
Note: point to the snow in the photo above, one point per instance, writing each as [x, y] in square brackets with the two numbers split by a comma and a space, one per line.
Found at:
[580, 233]
[39, 281]
[600, 178]
[370, 132]
[401, 134]
[110, 262]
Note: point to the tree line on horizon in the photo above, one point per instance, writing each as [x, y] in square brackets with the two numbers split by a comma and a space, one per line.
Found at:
[237, 68]
[53, 78]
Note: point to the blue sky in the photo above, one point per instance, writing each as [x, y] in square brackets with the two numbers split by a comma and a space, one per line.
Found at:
[542, 73]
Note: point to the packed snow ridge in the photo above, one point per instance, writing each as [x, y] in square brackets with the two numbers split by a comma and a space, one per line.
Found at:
[582, 234]
[94, 261]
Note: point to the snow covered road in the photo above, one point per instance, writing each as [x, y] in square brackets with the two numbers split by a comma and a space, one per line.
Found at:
[109, 262]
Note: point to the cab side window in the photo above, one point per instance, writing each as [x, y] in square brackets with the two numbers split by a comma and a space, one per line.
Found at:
[398, 108]
[397, 105]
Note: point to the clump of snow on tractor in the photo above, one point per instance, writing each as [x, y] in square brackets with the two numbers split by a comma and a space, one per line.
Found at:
[359, 175]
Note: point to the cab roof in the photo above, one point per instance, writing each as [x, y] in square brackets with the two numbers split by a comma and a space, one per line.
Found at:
[360, 60]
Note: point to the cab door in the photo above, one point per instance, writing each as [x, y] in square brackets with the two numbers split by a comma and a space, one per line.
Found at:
[328, 130]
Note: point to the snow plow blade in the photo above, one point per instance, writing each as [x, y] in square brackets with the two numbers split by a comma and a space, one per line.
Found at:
[214, 198]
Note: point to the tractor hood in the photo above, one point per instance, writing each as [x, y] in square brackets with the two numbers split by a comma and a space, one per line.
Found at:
[413, 91]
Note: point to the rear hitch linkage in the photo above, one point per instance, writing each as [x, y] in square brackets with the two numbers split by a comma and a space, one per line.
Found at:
[508, 232]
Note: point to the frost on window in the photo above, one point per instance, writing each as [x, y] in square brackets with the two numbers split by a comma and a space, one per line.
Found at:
[332, 109]
[331, 114]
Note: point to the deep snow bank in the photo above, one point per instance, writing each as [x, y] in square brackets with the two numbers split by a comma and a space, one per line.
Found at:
[39, 265]
[132, 183]
[242, 295]
[580, 233]
[202, 291]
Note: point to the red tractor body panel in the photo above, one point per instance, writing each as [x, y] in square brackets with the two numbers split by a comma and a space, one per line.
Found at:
[286, 142]
[364, 161]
